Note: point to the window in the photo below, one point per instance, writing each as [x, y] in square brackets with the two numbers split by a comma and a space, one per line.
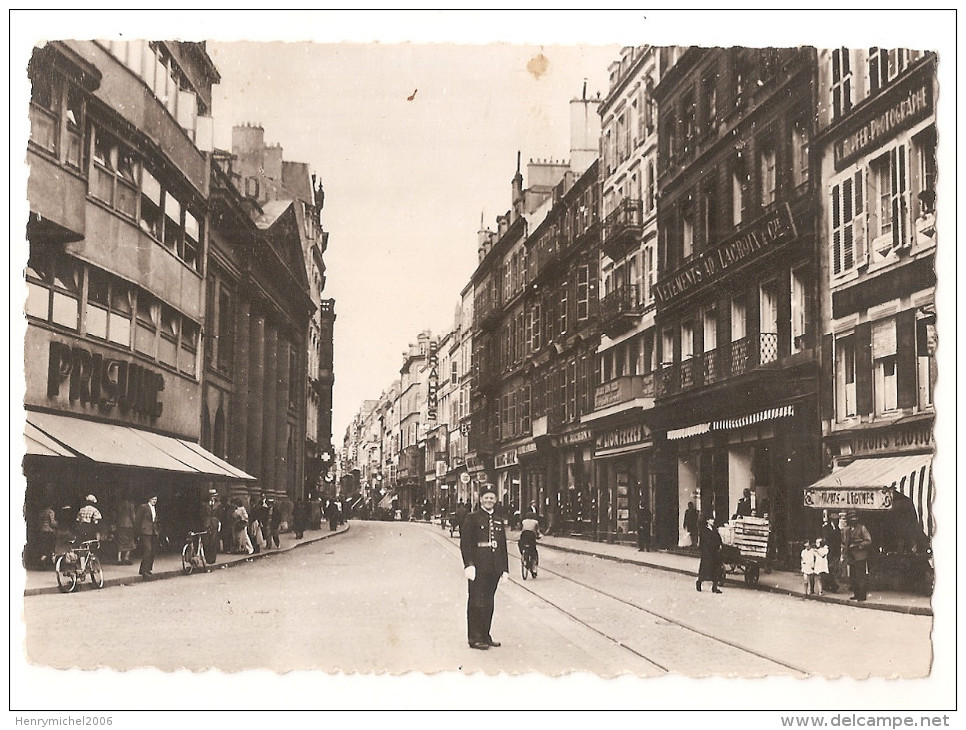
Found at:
[667, 347]
[190, 247]
[710, 327]
[146, 325]
[926, 343]
[847, 237]
[710, 86]
[57, 117]
[884, 365]
[649, 192]
[650, 273]
[800, 282]
[767, 170]
[739, 314]
[690, 117]
[687, 229]
[710, 214]
[768, 321]
[563, 308]
[109, 308]
[45, 112]
[114, 174]
[925, 187]
[738, 180]
[841, 82]
[888, 176]
[188, 354]
[173, 226]
[170, 332]
[224, 329]
[885, 64]
[54, 289]
[150, 204]
[583, 292]
[687, 340]
[799, 149]
[845, 377]
[535, 320]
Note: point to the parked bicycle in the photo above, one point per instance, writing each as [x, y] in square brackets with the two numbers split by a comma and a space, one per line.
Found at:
[193, 553]
[75, 565]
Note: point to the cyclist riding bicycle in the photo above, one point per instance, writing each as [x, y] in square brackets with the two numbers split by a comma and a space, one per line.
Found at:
[529, 532]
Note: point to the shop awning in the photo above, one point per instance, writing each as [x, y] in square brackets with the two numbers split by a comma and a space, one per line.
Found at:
[909, 475]
[40, 444]
[108, 443]
[768, 414]
[683, 433]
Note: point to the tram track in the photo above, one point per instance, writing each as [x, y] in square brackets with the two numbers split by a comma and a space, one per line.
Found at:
[670, 644]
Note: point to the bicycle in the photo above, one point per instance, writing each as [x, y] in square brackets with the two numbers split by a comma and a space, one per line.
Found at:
[193, 553]
[528, 561]
[73, 566]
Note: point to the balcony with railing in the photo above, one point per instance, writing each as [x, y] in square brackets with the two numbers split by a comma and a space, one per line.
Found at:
[620, 309]
[723, 363]
[622, 228]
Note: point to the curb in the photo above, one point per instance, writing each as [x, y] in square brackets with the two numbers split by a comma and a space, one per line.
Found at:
[130, 580]
[894, 608]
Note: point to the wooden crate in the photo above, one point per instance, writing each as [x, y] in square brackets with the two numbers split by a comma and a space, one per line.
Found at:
[751, 536]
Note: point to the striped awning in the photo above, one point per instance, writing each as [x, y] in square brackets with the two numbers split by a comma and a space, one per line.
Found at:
[687, 432]
[769, 414]
[909, 475]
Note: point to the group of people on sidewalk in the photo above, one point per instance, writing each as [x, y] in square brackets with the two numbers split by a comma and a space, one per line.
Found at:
[248, 532]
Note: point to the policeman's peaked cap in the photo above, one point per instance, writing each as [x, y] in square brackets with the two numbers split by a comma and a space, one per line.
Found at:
[488, 489]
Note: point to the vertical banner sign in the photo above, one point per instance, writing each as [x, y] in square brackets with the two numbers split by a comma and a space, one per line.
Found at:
[431, 402]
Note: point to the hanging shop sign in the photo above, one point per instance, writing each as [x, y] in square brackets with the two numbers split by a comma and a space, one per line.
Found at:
[474, 464]
[631, 435]
[108, 383]
[433, 382]
[748, 244]
[872, 498]
[506, 458]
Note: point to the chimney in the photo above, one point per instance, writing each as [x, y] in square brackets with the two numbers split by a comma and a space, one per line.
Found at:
[584, 132]
[517, 192]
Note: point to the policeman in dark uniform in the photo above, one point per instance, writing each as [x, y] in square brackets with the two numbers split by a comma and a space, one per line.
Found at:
[483, 545]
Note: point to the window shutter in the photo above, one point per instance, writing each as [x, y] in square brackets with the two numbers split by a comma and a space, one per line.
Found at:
[836, 229]
[906, 369]
[827, 393]
[863, 368]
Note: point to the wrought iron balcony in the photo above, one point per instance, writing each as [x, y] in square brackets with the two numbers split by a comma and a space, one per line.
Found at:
[622, 228]
[723, 363]
[620, 309]
[623, 389]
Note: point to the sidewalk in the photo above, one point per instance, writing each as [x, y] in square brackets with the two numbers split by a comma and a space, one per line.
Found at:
[776, 581]
[168, 565]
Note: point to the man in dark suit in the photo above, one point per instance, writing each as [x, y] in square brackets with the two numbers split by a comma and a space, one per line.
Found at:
[146, 524]
[483, 546]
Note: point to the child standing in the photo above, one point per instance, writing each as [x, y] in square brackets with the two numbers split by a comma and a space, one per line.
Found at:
[808, 569]
[821, 565]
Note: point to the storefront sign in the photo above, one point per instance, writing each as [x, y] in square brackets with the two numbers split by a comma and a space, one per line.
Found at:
[464, 478]
[897, 110]
[433, 382]
[506, 458]
[625, 436]
[872, 498]
[528, 448]
[107, 383]
[577, 437]
[474, 464]
[911, 437]
[767, 231]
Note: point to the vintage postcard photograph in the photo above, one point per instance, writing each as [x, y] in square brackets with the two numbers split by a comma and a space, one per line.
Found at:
[483, 360]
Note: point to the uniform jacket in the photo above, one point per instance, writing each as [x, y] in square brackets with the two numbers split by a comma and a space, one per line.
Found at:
[857, 541]
[143, 521]
[483, 542]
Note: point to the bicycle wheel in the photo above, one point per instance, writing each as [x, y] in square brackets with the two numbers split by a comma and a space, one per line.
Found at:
[96, 571]
[187, 554]
[524, 571]
[66, 577]
[202, 558]
[534, 560]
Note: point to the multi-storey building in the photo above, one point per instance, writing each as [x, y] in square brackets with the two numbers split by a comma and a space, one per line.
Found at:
[626, 465]
[118, 232]
[261, 173]
[736, 295]
[412, 405]
[461, 375]
[877, 272]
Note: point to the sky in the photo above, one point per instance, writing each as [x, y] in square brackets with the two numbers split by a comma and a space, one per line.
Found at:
[414, 144]
[406, 184]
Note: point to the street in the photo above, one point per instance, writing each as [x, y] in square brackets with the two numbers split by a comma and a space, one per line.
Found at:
[390, 597]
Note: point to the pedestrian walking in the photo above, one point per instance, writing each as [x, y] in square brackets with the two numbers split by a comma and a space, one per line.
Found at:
[87, 520]
[146, 524]
[832, 536]
[272, 525]
[483, 548]
[332, 515]
[821, 566]
[211, 524]
[242, 541]
[691, 523]
[47, 527]
[710, 566]
[808, 569]
[300, 518]
[644, 527]
[124, 542]
[856, 543]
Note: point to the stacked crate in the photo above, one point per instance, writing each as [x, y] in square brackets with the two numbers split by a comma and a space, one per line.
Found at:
[751, 536]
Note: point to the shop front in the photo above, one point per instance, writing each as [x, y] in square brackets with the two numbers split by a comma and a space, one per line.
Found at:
[622, 475]
[766, 453]
[884, 474]
[479, 469]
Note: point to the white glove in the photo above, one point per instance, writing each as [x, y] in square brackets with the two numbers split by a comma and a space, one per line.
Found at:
[470, 572]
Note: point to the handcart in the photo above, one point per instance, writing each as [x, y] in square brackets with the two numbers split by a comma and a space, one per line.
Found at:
[747, 549]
